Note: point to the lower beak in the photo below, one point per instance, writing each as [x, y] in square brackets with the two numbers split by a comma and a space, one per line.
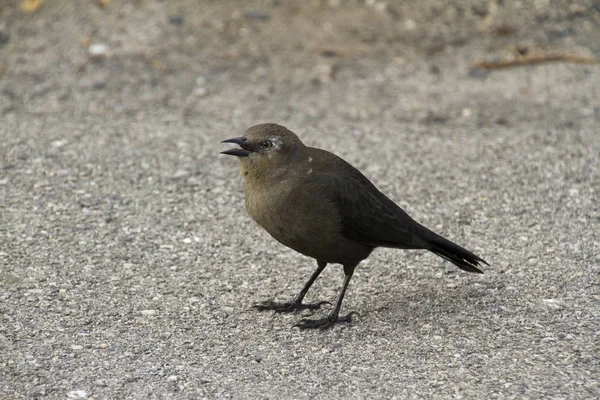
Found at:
[243, 152]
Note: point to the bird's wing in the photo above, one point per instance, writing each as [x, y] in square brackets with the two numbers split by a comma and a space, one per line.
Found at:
[368, 216]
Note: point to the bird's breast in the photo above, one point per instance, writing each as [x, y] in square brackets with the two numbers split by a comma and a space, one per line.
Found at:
[267, 205]
[305, 221]
[289, 214]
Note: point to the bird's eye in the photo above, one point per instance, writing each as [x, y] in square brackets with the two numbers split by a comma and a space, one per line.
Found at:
[266, 144]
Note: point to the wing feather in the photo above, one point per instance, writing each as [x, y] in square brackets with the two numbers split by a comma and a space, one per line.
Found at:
[368, 216]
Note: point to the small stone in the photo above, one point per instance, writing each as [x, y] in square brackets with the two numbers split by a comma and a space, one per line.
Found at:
[59, 143]
[324, 72]
[176, 20]
[29, 6]
[328, 53]
[148, 313]
[200, 91]
[187, 240]
[98, 50]
[410, 25]
[578, 9]
[3, 39]
[172, 378]
[194, 181]
[380, 6]
[77, 394]
[258, 14]
[77, 347]
[103, 346]
[478, 73]
[181, 173]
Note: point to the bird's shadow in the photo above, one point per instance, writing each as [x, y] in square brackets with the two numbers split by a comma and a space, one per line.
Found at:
[425, 303]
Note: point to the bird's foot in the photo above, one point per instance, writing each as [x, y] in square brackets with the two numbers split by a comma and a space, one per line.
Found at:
[287, 306]
[323, 323]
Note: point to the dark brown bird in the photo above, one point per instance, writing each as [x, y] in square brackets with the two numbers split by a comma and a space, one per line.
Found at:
[319, 205]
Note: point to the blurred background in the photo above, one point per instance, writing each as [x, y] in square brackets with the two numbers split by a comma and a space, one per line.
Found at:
[127, 261]
[148, 56]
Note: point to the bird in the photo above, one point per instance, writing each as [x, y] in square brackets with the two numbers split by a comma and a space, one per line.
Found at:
[319, 205]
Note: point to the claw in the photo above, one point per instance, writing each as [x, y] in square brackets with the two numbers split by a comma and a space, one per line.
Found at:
[287, 306]
[323, 323]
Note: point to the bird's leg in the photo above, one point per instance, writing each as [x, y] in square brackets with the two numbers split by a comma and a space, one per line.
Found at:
[296, 303]
[333, 317]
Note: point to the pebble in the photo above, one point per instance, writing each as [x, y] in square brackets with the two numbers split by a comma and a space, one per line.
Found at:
[98, 50]
[3, 39]
[258, 14]
[410, 25]
[200, 91]
[181, 173]
[380, 6]
[478, 73]
[77, 394]
[148, 312]
[324, 72]
[194, 181]
[176, 20]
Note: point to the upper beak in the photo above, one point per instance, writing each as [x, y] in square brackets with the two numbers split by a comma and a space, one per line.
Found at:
[245, 150]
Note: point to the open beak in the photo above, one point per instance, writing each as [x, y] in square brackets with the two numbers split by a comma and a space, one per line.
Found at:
[244, 151]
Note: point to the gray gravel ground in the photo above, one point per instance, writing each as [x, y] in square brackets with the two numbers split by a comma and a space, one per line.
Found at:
[128, 264]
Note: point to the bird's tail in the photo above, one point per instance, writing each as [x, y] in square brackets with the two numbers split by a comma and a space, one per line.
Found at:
[452, 252]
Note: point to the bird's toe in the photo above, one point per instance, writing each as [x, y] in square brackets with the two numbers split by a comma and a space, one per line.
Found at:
[323, 323]
[287, 306]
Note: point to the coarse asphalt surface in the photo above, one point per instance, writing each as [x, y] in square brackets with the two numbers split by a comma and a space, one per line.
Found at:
[128, 265]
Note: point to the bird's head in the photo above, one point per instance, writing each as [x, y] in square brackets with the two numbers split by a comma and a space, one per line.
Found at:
[266, 150]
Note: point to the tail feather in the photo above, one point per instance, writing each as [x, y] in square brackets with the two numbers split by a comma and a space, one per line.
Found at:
[452, 252]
